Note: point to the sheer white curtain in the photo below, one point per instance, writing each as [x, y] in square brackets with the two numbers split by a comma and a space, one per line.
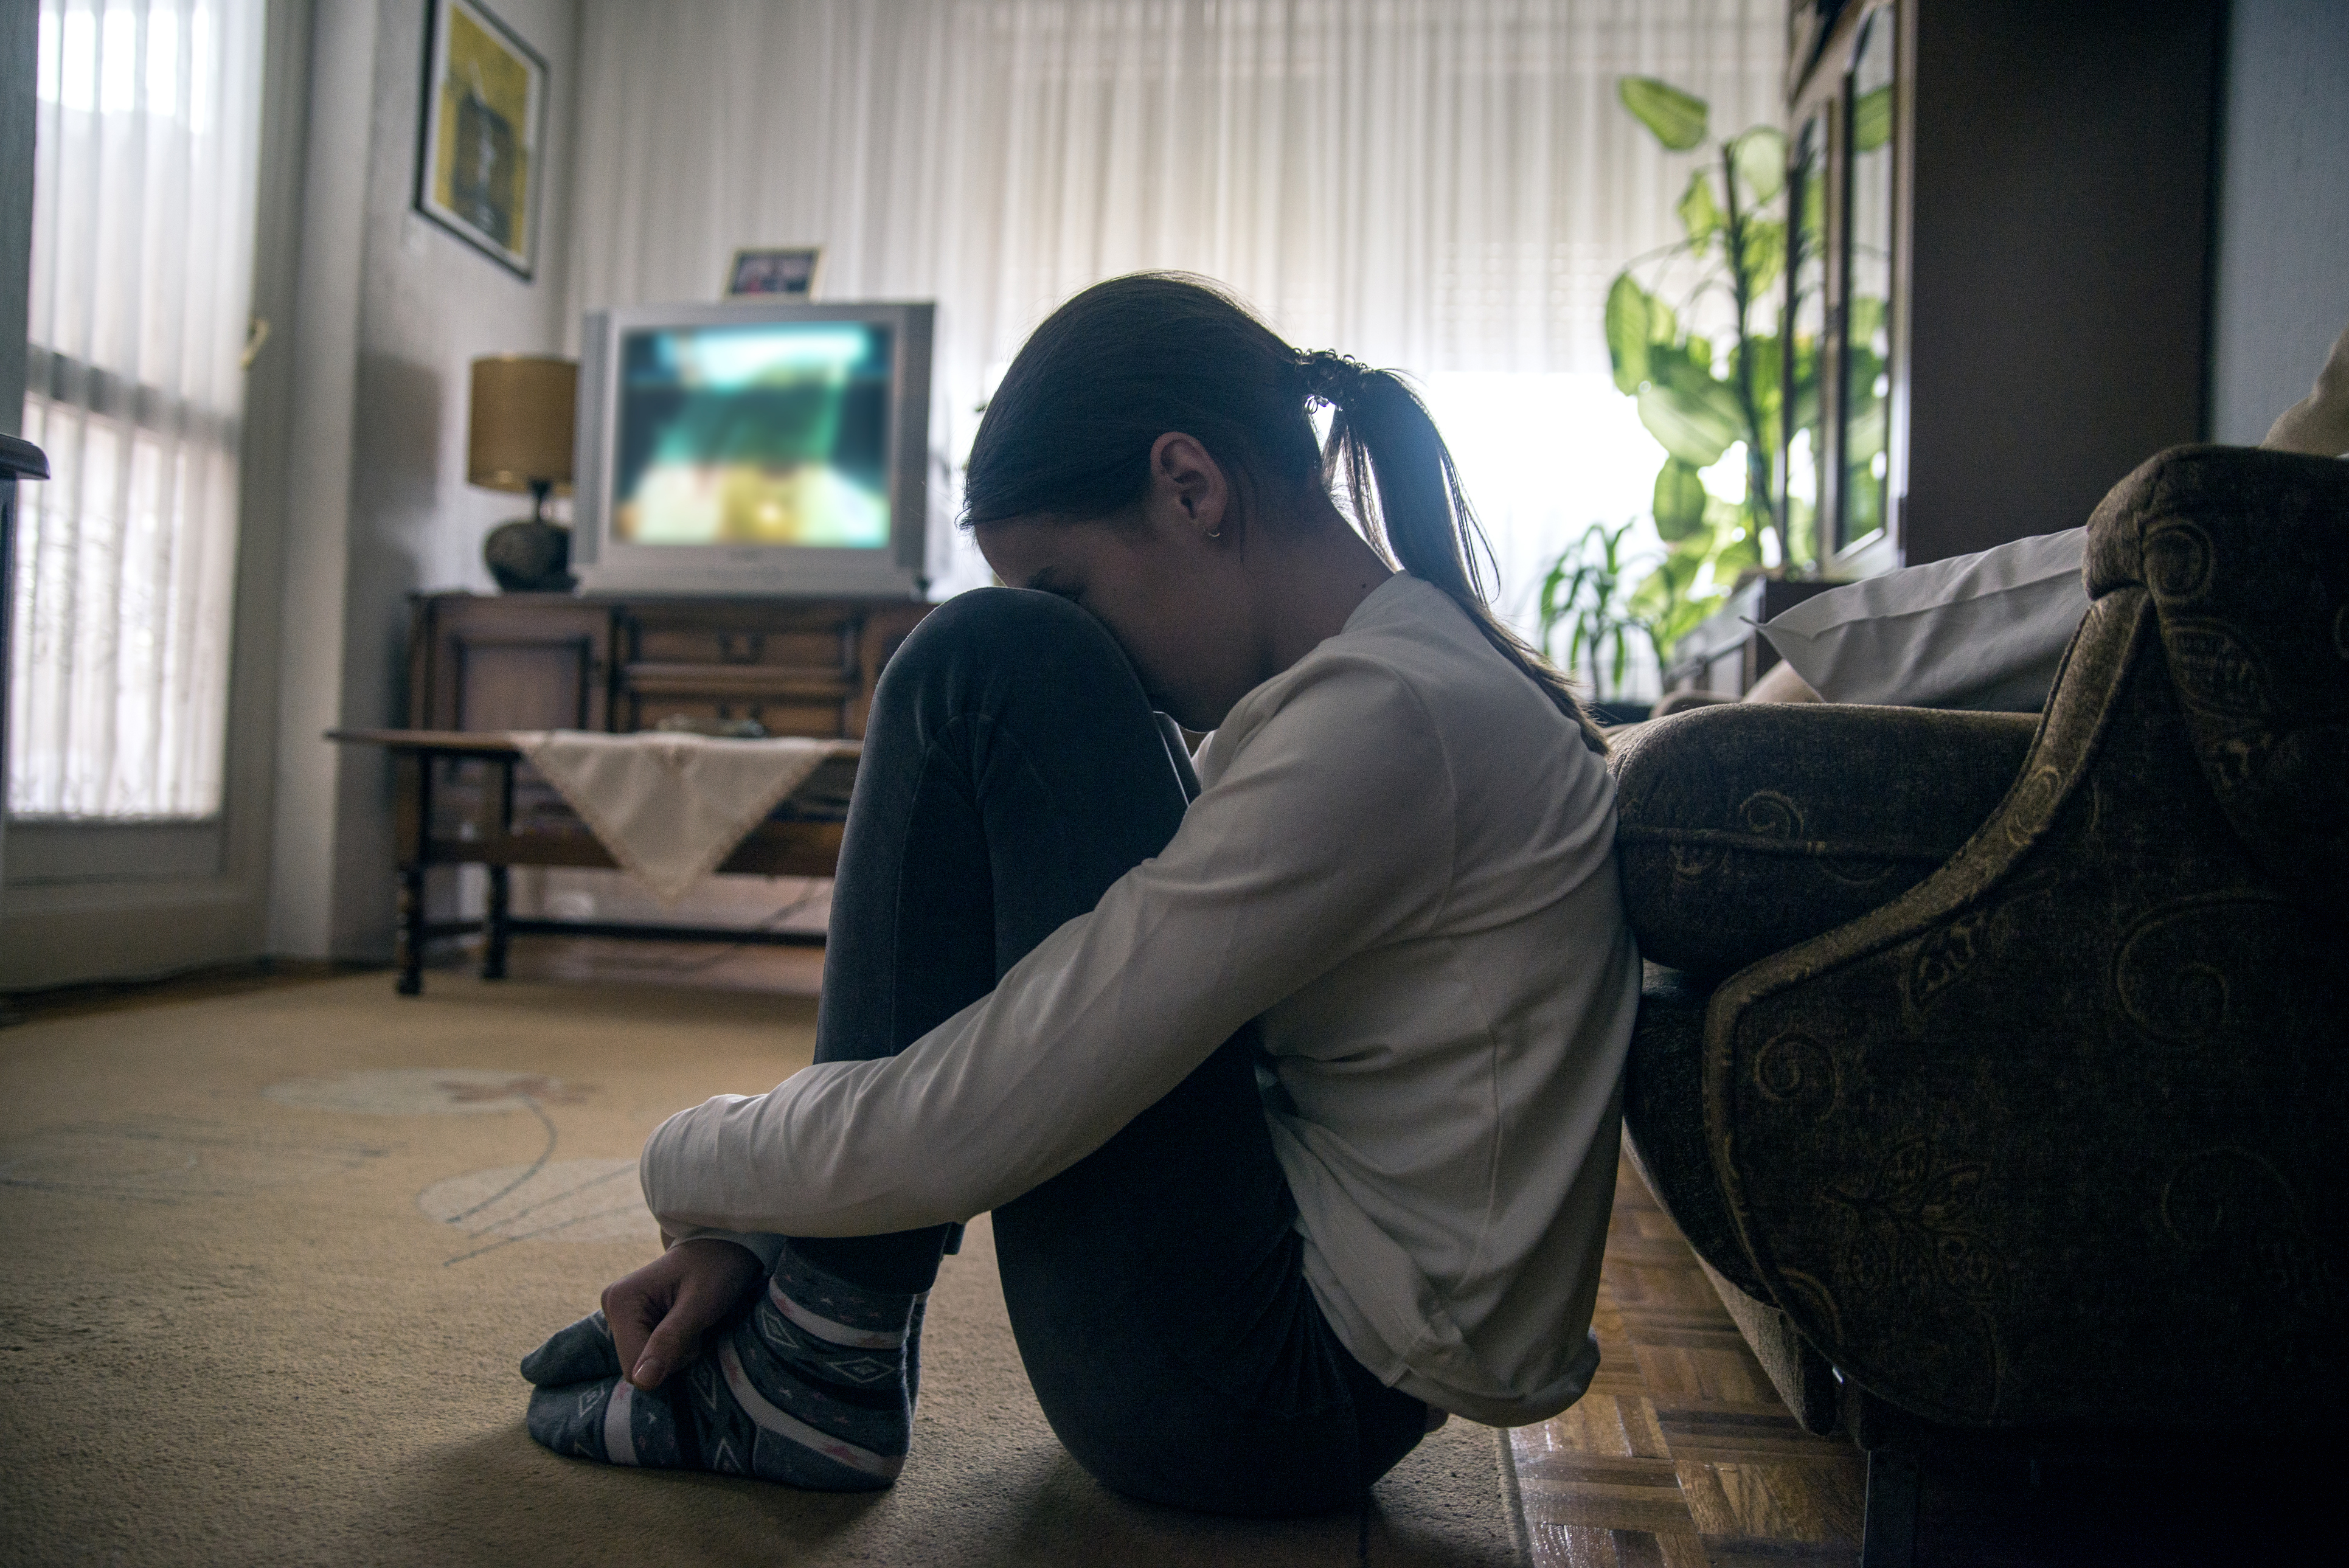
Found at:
[1445, 186]
[143, 189]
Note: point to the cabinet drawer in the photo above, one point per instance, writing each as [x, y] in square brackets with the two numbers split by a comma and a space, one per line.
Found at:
[787, 701]
[747, 682]
[823, 647]
[779, 716]
[786, 635]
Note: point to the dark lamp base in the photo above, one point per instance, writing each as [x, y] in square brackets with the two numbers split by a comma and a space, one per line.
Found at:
[529, 556]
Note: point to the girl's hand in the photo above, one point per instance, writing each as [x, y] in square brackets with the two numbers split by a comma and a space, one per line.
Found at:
[660, 1312]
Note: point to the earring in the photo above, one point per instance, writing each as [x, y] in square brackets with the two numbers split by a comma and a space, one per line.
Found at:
[1217, 531]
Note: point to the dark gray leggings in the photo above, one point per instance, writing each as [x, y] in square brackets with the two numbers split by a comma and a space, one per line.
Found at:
[1013, 771]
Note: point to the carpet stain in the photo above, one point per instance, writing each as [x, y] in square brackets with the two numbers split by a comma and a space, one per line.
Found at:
[427, 1091]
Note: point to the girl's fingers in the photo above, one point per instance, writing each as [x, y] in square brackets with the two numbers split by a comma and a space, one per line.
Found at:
[634, 1308]
[670, 1346]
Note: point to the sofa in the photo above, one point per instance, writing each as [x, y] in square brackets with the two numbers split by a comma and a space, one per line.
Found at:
[1995, 1065]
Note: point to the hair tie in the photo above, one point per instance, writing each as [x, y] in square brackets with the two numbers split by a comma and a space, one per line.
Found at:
[1331, 377]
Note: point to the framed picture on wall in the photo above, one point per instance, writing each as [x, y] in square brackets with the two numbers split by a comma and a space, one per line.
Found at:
[784, 273]
[484, 120]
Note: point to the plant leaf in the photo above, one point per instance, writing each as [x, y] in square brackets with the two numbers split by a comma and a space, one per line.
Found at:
[1663, 321]
[1696, 427]
[1700, 214]
[1679, 501]
[1663, 603]
[1741, 553]
[1764, 349]
[1693, 375]
[1765, 253]
[1678, 120]
[1814, 215]
[1759, 155]
[1628, 332]
[1871, 119]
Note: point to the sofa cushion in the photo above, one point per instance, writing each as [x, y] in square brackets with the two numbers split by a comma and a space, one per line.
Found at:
[1745, 828]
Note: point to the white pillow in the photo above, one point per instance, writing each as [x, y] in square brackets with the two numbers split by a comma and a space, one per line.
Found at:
[1983, 632]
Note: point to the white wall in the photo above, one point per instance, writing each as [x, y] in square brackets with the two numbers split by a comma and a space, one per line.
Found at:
[2284, 210]
[392, 310]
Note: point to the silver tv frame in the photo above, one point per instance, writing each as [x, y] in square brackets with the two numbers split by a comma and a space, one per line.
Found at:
[606, 564]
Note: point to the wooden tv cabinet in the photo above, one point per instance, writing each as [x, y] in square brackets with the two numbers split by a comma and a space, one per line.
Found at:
[562, 661]
[488, 664]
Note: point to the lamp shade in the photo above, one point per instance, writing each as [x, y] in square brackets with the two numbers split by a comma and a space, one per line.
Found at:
[523, 413]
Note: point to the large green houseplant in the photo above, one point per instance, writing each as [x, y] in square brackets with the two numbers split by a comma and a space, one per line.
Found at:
[1692, 334]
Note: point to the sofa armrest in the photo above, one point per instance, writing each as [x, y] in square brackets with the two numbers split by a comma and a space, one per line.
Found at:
[2246, 555]
[2051, 1138]
[1746, 827]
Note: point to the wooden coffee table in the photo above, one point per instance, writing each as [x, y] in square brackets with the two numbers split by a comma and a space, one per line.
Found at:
[468, 798]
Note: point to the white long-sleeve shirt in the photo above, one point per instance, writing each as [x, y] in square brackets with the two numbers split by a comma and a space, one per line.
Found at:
[1401, 861]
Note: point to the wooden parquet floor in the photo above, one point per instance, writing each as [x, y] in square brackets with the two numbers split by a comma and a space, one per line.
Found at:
[1681, 1455]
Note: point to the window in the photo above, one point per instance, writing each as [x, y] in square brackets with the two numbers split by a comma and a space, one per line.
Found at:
[1543, 457]
[145, 153]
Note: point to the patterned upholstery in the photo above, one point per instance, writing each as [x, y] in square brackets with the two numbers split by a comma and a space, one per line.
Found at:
[1666, 1071]
[2255, 625]
[1741, 834]
[2047, 1140]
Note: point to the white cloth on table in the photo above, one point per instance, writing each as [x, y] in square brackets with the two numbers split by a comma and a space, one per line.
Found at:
[1402, 861]
[670, 808]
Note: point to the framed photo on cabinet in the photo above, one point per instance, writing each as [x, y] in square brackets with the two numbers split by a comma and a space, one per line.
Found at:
[790, 273]
[484, 123]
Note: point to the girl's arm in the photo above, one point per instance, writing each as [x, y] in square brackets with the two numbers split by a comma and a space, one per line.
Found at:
[1330, 831]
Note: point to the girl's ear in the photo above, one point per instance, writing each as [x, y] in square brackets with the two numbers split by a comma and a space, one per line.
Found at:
[1187, 485]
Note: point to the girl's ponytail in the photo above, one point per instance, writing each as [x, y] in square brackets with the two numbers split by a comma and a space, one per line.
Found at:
[1406, 493]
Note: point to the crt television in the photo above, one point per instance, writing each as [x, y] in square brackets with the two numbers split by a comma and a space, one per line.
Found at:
[753, 449]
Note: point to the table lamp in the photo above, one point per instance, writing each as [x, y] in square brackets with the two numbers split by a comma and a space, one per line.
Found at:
[519, 439]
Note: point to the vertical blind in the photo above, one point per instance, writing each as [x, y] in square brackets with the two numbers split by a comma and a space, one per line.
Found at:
[143, 192]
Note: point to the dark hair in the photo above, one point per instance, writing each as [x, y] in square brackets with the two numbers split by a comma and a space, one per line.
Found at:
[1068, 433]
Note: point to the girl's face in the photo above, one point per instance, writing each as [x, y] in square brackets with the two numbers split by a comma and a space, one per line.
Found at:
[1168, 580]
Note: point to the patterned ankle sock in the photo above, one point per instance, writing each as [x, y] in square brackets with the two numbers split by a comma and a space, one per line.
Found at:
[814, 1387]
[578, 1354]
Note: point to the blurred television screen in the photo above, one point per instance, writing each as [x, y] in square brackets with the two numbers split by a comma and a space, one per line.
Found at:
[767, 433]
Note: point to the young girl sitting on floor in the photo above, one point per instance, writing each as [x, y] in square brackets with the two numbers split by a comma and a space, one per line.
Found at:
[1293, 1088]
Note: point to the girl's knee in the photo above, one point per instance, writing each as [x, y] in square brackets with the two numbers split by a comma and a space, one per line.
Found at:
[1038, 635]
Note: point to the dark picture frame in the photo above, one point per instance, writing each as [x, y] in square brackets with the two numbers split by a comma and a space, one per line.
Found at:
[791, 273]
[482, 133]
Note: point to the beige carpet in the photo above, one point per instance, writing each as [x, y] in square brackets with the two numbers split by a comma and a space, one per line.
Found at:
[267, 1260]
